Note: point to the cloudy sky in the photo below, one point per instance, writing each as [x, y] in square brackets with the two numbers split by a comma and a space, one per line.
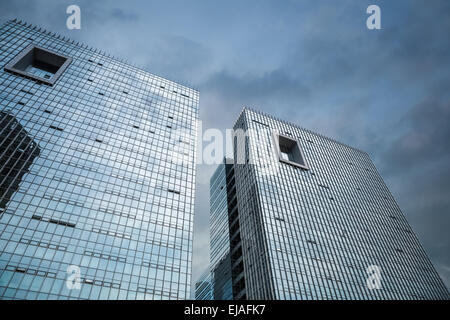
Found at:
[311, 62]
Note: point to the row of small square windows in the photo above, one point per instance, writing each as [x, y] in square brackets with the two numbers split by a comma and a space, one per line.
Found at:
[125, 92]
[98, 140]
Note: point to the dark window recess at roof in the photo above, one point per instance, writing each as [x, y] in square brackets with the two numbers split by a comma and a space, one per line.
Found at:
[98, 140]
[36, 217]
[101, 93]
[162, 87]
[184, 95]
[173, 191]
[170, 117]
[126, 92]
[310, 141]
[311, 241]
[135, 126]
[359, 189]
[279, 219]
[39, 64]
[392, 217]
[57, 128]
[323, 186]
[90, 80]
[170, 127]
[90, 70]
[399, 250]
[47, 111]
[174, 91]
[100, 64]
[90, 60]
[21, 103]
[289, 151]
[331, 198]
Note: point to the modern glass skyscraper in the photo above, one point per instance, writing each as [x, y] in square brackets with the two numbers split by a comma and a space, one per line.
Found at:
[316, 220]
[97, 168]
[222, 207]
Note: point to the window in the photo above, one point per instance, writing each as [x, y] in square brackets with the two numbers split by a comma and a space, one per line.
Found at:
[289, 151]
[39, 64]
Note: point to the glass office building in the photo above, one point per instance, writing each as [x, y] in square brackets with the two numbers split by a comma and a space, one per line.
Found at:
[97, 165]
[222, 206]
[316, 220]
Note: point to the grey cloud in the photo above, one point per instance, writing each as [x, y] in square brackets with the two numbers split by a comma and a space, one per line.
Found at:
[120, 14]
[426, 139]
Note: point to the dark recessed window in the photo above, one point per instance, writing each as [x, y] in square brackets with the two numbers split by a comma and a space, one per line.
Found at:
[56, 128]
[39, 64]
[289, 151]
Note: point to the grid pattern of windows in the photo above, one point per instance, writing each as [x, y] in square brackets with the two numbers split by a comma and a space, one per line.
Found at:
[220, 281]
[105, 191]
[204, 287]
[219, 234]
[311, 233]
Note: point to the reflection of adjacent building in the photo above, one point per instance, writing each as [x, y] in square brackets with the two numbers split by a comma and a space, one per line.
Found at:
[204, 287]
[17, 153]
[104, 191]
[311, 218]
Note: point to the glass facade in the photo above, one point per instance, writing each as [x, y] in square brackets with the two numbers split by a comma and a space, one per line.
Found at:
[204, 287]
[92, 189]
[220, 260]
[219, 234]
[316, 218]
